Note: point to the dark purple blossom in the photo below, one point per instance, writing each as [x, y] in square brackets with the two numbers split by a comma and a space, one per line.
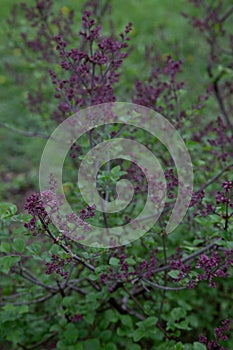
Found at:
[220, 335]
[91, 72]
[76, 318]
[214, 266]
[57, 265]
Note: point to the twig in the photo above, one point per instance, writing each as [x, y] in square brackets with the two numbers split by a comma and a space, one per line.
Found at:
[164, 288]
[185, 259]
[165, 279]
[35, 301]
[41, 342]
[216, 177]
[218, 94]
[24, 132]
[132, 296]
[64, 247]
[125, 310]
[228, 13]
[28, 276]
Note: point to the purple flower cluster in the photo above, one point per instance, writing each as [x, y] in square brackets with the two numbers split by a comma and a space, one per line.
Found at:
[212, 19]
[184, 269]
[35, 207]
[200, 208]
[177, 264]
[126, 272]
[136, 176]
[221, 141]
[222, 207]
[91, 69]
[57, 266]
[220, 335]
[75, 150]
[37, 45]
[172, 183]
[114, 275]
[225, 196]
[76, 318]
[88, 212]
[159, 93]
[227, 185]
[77, 225]
[149, 266]
[42, 17]
[214, 266]
[197, 203]
[218, 137]
[97, 9]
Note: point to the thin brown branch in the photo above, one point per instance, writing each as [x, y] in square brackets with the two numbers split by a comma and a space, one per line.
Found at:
[35, 301]
[164, 288]
[216, 177]
[64, 247]
[24, 132]
[28, 276]
[132, 296]
[125, 310]
[227, 14]
[185, 259]
[40, 343]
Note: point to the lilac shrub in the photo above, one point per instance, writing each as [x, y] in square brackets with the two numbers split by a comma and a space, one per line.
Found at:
[152, 293]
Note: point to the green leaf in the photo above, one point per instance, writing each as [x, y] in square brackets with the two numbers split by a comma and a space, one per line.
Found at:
[5, 247]
[12, 313]
[127, 321]
[71, 334]
[92, 344]
[199, 346]
[148, 323]
[139, 334]
[104, 323]
[135, 347]
[91, 297]
[34, 248]
[7, 210]
[183, 325]
[112, 316]
[55, 249]
[77, 346]
[114, 261]
[174, 274]
[177, 313]
[93, 277]
[122, 332]
[90, 317]
[9, 308]
[100, 269]
[19, 245]
[179, 346]
[6, 262]
[55, 327]
[68, 301]
[116, 169]
[61, 345]
[106, 335]
[130, 261]
[197, 241]
[14, 336]
[227, 244]
[110, 346]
